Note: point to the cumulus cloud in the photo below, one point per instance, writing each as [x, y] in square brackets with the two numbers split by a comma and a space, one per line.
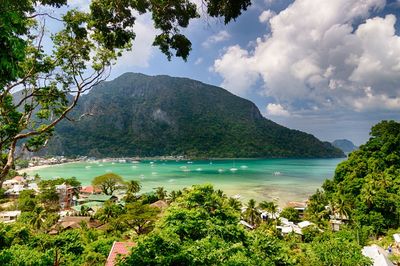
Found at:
[221, 36]
[237, 77]
[266, 15]
[274, 109]
[321, 54]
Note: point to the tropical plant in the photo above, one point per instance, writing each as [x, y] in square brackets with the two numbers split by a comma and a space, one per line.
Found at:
[108, 183]
[252, 214]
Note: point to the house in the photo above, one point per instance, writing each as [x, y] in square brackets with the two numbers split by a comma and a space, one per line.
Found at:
[9, 216]
[88, 190]
[118, 249]
[92, 207]
[298, 206]
[161, 204]
[377, 254]
[396, 238]
[73, 222]
[66, 195]
[335, 225]
[101, 198]
[246, 224]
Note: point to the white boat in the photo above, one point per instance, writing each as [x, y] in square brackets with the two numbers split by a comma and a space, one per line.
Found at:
[199, 169]
[277, 173]
[122, 161]
[88, 166]
[244, 167]
[221, 170]
[233, 169]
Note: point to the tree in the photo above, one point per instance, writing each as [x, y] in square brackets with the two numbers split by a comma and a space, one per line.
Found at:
[252, 214]
[27, 200]
[291, 214]
[140, 217]
[270, 207]
[132, 187]
[161, 193]
[108, 183]
[82, 51]
[201, 228]
[366, 187]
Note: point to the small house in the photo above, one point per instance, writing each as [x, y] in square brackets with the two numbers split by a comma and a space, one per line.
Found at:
[9, 216]
[118, 249]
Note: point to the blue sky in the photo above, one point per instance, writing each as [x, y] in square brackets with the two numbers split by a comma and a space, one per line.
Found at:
[329, 68]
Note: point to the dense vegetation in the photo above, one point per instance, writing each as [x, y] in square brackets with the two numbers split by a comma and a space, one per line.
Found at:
[200, 227]
[151, 116]
[366, 188]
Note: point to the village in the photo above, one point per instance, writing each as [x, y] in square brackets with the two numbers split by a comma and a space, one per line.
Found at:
[79, 205]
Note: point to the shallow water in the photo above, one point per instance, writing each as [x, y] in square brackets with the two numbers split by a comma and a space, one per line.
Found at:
[262, 179]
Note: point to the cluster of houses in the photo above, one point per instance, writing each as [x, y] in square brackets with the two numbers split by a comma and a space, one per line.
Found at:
[38, 161]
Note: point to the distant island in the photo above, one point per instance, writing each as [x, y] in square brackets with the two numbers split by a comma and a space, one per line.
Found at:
[345, 145]
[140, 115]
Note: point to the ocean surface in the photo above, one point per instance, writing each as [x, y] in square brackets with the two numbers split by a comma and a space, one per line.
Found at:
[282, 180]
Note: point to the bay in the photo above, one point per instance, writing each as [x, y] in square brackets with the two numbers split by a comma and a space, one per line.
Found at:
[281, 180]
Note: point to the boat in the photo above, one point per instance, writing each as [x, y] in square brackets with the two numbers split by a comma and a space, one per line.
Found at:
[233, 169]
[277, 173]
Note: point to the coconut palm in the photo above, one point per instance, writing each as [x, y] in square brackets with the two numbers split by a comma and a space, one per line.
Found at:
[252, 214]
[270, 207]
[161, 193]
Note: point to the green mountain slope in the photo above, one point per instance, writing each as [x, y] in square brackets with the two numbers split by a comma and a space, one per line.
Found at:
[142, 115]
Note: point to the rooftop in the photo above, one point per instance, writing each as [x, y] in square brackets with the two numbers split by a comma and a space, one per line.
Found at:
[118, 248]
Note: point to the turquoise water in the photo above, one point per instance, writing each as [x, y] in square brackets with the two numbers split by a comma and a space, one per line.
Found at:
[280, 179]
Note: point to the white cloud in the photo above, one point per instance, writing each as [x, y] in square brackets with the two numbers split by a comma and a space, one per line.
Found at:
[274, 109]
[315, 55]
[237, 77]
[221, 36]
[266, 15]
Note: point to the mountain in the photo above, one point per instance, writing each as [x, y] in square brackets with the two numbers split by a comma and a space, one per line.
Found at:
[139, 115]
[345, 145]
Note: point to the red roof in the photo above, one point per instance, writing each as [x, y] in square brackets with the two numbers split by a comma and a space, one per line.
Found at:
[19, 178]
[90, 190]
[122, 248]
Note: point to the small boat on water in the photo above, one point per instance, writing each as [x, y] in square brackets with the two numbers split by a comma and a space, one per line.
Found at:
[221, 170]
[233, 169]
[199, 169]
[244, 167]
[88, 166]
[277, 173]
[122, 161]
[135, 162]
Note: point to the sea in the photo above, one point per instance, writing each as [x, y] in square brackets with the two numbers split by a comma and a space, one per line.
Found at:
[281, 180]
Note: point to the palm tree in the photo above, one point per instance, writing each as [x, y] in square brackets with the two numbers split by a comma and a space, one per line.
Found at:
[235, 204]
[342, 208]
[270, 207]
[133, 187]
[38, 218]
[161, 193]
[252, 214]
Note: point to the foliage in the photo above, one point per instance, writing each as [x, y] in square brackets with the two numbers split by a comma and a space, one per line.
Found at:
[201, 228]
[336, 249]
[132, 188]
[153, 116]
[161, 193]
[291, 214]
[140, 217]
[366, 187]
[27, 200]
[252, 214]
[108, 183]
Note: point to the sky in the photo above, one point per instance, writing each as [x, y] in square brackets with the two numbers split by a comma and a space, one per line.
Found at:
[329, 68]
